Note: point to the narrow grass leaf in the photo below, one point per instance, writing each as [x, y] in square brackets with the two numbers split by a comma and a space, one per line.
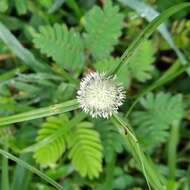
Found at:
[22, 177]
[5, 172]
[41, 112]
[172, 154]
[151, 175]
[25, 55]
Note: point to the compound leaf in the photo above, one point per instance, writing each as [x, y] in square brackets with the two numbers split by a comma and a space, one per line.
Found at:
[103, 29]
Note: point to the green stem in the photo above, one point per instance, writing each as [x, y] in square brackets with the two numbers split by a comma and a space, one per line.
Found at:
[31, 168]
[41, 112]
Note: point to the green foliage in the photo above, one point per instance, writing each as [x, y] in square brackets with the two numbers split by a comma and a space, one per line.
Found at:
[103, 29]
[140, 65]
[113, 142]
[63, 45]
[4, 5]
[74, 150]
[83, 142]
[51, 152]
[159, 112]
[86, 150]
[21, 6]
[107, 64]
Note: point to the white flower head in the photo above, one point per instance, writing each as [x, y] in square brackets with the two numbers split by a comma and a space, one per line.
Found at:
[100, 95]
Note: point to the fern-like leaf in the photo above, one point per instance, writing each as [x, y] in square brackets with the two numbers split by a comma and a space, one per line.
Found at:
[48, 154]
[64, 46]
[103, 29]
[158, 114]
[86, 150]
[140, 65]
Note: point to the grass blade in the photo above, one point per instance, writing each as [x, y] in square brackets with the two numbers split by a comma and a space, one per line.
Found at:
[25, 55]
[146, 11]
[152, 177]
[22, 177]
[5, 172]
[152, 26]
[41, 112]
[172, 155]
[31, 168]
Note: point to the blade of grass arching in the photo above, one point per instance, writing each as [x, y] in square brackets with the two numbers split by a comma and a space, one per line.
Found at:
[77, 119]
[12, 73]
[151, 175]
[22, 177]
[25, 55]
[172, 155]
[146, 11]
[30, 168]
[174, 71]
[152, 26]
[41, 112]
[5, 172]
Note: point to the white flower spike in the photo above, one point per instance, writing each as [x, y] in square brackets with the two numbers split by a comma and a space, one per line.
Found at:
[99, 95]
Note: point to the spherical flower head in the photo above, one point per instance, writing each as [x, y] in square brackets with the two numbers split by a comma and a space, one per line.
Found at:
[99, 95]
